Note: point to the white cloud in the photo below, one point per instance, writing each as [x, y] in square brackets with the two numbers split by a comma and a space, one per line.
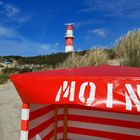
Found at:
[99, 32]
[11, 10]
[49, 48]
[13, 13]
[26, 47]
[23, 19]
[99, 46]
[7, 32]
[1, 3]
[12, 43]
[87, 22]
[124, 8]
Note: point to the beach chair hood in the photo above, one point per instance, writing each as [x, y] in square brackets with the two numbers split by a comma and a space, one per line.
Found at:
[112, 88]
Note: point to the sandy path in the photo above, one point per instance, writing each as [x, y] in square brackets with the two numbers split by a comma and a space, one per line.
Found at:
[10, 105]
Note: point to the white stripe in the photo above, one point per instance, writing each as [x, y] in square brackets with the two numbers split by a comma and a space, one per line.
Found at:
[102, 114]
[84, 137]
[34, 123]
[25, 114]
[34, 107]
[59, 136]
[68, 48]
[60, 111]
[38, 137]
[23, 135]
[70, 32]
[107, 128]
[79, 137]
[46, 131]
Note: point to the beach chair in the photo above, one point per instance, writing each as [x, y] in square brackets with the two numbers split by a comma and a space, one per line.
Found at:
[89, 103]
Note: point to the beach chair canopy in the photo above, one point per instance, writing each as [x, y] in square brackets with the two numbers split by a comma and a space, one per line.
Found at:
[93, 103]
[114, 88]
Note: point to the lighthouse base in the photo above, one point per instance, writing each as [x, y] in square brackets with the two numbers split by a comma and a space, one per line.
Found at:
[69, 49]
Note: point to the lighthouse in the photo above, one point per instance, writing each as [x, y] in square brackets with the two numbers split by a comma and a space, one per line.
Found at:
[69, 38]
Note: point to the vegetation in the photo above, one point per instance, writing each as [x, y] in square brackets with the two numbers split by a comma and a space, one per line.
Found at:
[90, 58]
[6, 72]
[52, 59]
[16, 70]
[4, 78]
[128, 48]
[10, 70]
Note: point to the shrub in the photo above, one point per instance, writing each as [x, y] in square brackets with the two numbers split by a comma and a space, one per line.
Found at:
[4, 78]
[10, 70]
[25, 69]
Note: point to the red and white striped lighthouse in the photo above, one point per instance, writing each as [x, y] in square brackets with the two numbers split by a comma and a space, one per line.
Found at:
[69, 38]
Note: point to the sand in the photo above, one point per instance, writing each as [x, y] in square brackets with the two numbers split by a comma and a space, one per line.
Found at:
[10, 105]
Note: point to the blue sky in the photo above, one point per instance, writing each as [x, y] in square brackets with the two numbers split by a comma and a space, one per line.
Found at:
[36, 27]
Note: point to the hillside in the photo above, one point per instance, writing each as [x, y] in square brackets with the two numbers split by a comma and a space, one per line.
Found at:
[52, 59]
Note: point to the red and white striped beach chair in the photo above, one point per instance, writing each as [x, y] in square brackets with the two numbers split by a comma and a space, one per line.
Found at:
[91, 103]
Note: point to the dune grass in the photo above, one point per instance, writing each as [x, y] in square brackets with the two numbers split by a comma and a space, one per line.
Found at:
[128, 48]
[92, 57]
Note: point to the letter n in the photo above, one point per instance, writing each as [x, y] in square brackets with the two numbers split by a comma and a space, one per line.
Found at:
[132, 97]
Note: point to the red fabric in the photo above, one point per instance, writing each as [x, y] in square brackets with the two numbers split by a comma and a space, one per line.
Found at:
[82, 123]
[42, 87]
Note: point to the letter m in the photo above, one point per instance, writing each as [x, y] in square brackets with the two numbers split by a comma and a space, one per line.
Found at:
[130, 96]
[66, 90]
